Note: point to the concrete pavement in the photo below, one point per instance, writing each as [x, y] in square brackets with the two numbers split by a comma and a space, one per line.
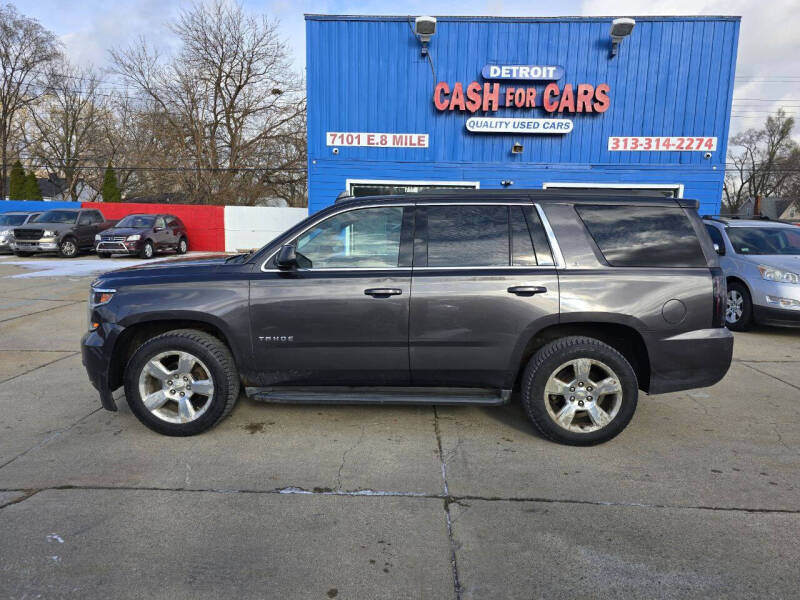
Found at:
[697, 498]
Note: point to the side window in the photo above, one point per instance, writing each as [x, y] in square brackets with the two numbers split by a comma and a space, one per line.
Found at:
[359, 238]
[160, 222]
[172, 222]
[85, 219]
[98, 217]
[522, 253]
[643, 236]
[716, 237]
[468, 236]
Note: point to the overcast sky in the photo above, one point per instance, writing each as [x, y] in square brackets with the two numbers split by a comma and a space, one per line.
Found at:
[768, 71]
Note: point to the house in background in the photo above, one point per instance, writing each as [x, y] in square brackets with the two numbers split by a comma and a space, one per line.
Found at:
[55, 189]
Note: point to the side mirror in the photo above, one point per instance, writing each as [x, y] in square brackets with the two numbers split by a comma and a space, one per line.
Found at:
[718, 250]
[287, 257]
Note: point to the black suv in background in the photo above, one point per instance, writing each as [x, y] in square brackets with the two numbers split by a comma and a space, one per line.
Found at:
[66, 231]
[143, 235]
[577, 301]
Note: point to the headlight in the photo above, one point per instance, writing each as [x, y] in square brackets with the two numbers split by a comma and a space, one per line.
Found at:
[5, 232]
[779, 275]
[97, 238]
[49, 233]
[100, 296]
[134, 237]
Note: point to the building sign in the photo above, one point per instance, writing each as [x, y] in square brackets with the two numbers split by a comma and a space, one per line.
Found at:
[662, 144]
[377, 140]
[519, 72]
[489, 97]
[518, 125]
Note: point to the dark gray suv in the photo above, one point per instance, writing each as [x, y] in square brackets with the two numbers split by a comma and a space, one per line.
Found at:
[576, 301]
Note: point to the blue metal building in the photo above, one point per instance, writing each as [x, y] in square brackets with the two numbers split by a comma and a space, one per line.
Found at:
[383, 117]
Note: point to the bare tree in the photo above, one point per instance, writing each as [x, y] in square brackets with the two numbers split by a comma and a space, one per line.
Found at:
[66, 125]
[26, 52]
[762, 162]
[230, 103]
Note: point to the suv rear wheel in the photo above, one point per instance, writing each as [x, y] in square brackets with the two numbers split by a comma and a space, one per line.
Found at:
[182, 382]
[739, 311]
[183, 246]
[579, 391]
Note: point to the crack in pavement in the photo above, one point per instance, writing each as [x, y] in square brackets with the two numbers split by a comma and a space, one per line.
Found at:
[25, 495]
[797, 387]
[447, 501]
[369, 493]
[38, 312]
[344, 456]
[47, 364]
[50, 437]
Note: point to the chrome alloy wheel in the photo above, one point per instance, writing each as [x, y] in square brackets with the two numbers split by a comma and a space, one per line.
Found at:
[583, 395]
[735, 307]
[176, 387]
[182, 247]
[148, 250]
[69, 248]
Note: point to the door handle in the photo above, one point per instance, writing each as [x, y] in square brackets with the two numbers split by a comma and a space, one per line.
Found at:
[527, 290]
[383, 292]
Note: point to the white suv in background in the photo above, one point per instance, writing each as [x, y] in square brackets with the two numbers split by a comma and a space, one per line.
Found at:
[761, 262]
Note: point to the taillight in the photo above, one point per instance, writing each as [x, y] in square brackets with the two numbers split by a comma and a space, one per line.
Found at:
[720, 297]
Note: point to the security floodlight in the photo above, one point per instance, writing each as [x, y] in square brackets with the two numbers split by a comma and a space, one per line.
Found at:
[620, 29]
[517, 148]
[425, 28]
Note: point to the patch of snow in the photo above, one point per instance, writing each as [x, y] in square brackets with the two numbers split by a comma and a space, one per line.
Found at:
[76, 267]
[54, 537]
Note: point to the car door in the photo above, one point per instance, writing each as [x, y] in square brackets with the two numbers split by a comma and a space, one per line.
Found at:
[341, 316]
[484, 280]
[161, 235]
[173, 231]
[85, 229]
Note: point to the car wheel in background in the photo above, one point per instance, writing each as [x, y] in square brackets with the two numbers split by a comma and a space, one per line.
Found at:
[579, 391]
[181, 382]
[739, 310]
[68, 248]
[147, 250]
[183, 246]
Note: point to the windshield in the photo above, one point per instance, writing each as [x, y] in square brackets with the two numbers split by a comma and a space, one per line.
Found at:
[765, 240]
[12, 219]
[137, 221]
[58, 216]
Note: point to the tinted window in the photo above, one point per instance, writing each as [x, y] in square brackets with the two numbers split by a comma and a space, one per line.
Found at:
[643, 236]
[58, 216]
[97, 217]
[12, 219]
[137, 221]
[160, 222]
[85, 219]
[544, 257]
[716, 237]
[764, 240]
[468, 236]
[522, 253]
[362, 238]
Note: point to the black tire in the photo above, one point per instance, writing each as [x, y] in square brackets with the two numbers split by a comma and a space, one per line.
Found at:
[103, 255]
[68, 247]
[216, 356]
[23, 254]
[147, 251]
[183, 246]
[546, 362]
[745, 321]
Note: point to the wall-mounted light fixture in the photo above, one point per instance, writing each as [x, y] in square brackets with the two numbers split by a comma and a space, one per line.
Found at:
[517, 148]
[620, 29]
[425, 28]
[506, 182]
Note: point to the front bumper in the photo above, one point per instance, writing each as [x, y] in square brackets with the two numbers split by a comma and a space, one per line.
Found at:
[6, 245]
[693, 359]
[769, 312]
[777, 317]
[96, 352]
[119, 247]
[42, 245]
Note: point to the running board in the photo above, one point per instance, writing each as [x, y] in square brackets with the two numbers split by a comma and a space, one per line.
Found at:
[379, 395]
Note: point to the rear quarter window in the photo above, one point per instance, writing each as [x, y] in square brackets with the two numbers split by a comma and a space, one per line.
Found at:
[643, 236]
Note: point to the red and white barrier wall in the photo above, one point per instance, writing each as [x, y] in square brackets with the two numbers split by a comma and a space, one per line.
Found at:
[216, 228]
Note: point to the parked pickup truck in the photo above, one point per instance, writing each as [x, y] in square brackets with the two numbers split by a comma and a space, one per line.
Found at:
[575, 301]
[66, 231]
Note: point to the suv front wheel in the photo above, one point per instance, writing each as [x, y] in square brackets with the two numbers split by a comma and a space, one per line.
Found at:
[739, 311]
[181, 382]
[579, 391]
